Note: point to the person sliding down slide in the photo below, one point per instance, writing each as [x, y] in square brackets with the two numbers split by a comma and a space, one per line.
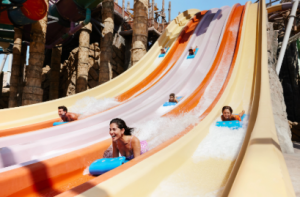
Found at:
[173, 99]
[65, 115]
[192, 51]
[163, 51]
[228, 116]
[123, 142]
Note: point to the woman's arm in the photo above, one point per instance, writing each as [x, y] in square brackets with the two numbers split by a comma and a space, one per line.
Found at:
[136, 147]
[115, 150]
[242, 113]
[222, 118]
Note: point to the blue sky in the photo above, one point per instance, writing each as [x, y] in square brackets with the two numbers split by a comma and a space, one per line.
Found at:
[182, 5]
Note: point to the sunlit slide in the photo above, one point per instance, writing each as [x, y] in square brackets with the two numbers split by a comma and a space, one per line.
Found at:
[182, 79]
[204, 160]
[217, 68]
[209, 160]
[169, 61]
[44, 114]
[87, 157]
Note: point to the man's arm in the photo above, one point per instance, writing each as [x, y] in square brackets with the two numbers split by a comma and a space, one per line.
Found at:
[73, 116]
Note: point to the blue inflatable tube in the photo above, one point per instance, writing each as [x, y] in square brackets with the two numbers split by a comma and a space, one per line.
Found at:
[166, 104]
[59, 123]
[103, 165]
[192, 56]
[234, 124]
[163, 55]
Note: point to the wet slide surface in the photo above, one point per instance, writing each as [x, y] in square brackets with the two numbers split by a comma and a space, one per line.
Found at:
[252, 165]
[170, 60]
[35, 115]
[180, 80]
[62, 183]
[203, 159]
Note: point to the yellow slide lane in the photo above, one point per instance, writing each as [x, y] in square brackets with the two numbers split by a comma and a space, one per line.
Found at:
[27, 115]
[259, 169]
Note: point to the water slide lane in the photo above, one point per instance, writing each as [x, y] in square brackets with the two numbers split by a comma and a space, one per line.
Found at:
[60, 173]
[31, 136]
[47, 112]
[260, 163]
[206, 36]
[136, 161]
[263, 171]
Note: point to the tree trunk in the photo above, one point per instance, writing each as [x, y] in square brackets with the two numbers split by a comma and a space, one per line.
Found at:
[32, 92]
[83, 59]
[15, 70]
[105, 70]
[140, 30]
[54, 72]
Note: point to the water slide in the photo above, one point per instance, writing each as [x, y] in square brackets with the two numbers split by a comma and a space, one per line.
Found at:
[209, 38]
[98, 147]
[146, 71]
[185, 161]
[194, 164]
[183, 79]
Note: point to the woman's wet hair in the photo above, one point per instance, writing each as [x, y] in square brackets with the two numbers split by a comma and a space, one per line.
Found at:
[122, 125]
[172, 94]
[227, 107]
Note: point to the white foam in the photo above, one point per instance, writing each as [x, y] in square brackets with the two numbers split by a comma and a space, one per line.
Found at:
[89, 106]
[159, 130]
[220, 143]
[86, 171]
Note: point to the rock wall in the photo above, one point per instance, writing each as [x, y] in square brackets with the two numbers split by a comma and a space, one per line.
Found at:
[289, 76]
[276, 90]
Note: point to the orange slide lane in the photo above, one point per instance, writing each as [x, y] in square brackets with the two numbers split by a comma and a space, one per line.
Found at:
[237, 15]
[58, 174]
[224, 52]
[170, 59]
[55, 175]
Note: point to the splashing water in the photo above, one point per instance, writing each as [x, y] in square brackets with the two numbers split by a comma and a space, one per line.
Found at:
[221, 143]
[89, 106]
[159, 130]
